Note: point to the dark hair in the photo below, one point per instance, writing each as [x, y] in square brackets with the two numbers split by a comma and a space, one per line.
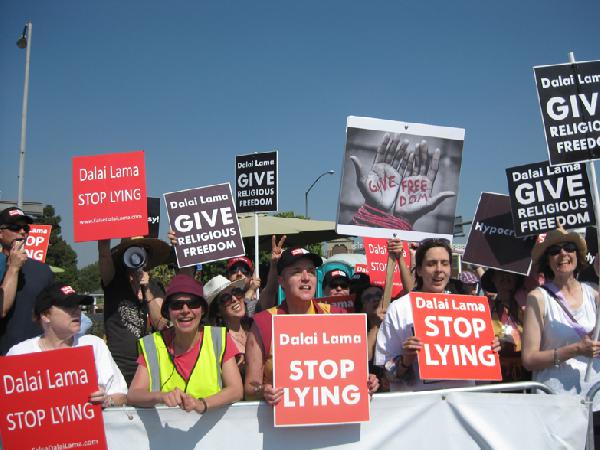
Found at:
[543, 264]
[424, 246]
[215, 318]
[358, 304]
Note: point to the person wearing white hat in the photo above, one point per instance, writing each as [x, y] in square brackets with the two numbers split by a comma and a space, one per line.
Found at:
[227, 309]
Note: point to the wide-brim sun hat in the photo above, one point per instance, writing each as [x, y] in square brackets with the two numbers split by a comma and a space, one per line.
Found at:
[556, 237]
[158, 251]
[218, 284]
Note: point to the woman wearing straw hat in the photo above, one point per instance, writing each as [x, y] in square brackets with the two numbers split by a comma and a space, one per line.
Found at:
[187, 365]
[560, 316]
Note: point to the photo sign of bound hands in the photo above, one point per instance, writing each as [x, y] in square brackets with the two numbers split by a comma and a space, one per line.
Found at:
[399, 179]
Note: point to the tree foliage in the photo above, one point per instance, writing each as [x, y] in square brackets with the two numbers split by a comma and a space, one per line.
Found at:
[60, 253]
[88, 279]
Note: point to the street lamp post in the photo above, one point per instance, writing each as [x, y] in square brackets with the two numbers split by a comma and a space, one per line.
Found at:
[329, 172]
[24, 42]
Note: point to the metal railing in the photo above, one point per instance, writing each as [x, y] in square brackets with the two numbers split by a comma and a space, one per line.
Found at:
[589, 401]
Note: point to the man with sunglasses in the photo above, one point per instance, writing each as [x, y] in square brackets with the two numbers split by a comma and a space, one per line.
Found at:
[336, 283]
[22, 281]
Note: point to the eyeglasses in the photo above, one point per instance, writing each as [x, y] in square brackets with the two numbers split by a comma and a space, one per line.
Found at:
[368, 298]
[16, 227]
[177, 305]
[569, 247]
[339, 282]
[239, 267]
[227, 297]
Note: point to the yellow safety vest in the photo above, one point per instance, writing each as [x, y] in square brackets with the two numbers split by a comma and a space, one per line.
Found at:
[205, 378]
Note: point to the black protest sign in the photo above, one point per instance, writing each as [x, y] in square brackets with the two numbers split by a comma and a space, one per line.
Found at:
[492, 241]
[568, 96]
[544, 196]
[153, 217]
[205, 223]
[588, 273]
[256, 182]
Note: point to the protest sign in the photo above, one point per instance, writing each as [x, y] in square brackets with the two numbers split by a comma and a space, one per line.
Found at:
[44, 400]
[205, 223]
[457, 335]
[109, 196]
[542, 197]
[153, 217]
[568, 97]
[36, 245]
[492, 241]
[345, 302]
[361, 268]
[399, 179]
[256, 182]
[377, 259]
[320, 361]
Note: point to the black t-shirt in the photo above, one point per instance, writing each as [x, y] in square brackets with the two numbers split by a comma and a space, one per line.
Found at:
[125, 321]
[18, 324]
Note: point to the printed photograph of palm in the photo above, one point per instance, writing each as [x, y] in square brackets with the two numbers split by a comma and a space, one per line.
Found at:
[400, 177]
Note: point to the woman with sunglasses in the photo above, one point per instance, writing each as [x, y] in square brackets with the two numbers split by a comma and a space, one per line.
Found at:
[227, 309]
[177, 366]
[397, 347]
[559, 317]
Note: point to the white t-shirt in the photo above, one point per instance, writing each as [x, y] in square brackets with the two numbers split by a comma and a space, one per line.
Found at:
[105, 365]
[396, 328]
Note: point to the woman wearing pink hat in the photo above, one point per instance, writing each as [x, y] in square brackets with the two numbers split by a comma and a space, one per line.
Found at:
[177, 365]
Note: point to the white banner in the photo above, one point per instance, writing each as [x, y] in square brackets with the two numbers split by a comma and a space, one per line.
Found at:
[457, 420]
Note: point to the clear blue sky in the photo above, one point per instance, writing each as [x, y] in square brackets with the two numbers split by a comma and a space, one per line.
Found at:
[193, 83]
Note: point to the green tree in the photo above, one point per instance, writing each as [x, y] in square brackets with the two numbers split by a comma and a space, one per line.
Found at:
[88, 279]
[60, 254]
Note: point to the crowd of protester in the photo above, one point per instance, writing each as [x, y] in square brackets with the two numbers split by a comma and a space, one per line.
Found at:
[201, 346]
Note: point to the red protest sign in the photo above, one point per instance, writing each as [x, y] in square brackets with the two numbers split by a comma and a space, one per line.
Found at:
[320, 361]
[457, 334]
[361, 268]
[44, 400]
[36, 245]
[377, 256]
[109, 196]
[346, 302]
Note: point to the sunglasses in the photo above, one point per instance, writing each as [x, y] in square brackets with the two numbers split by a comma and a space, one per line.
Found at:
[368, 298]
[334, 284]
[441, 241]
[228, 296]
[239, 267]
[177, 305]
[569, 247]
[16, 227]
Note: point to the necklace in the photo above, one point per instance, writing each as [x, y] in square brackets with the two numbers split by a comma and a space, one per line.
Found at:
[239, 337]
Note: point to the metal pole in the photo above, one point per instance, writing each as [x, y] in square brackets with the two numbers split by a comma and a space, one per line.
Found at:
[256, 272]
[29, 27]
[329, 172]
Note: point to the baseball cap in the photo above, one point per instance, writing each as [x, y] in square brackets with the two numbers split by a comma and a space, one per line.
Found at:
[12, 215]
[60, 294]
[334, 275]
[240, 260]
[292, 255]
[184, 284]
